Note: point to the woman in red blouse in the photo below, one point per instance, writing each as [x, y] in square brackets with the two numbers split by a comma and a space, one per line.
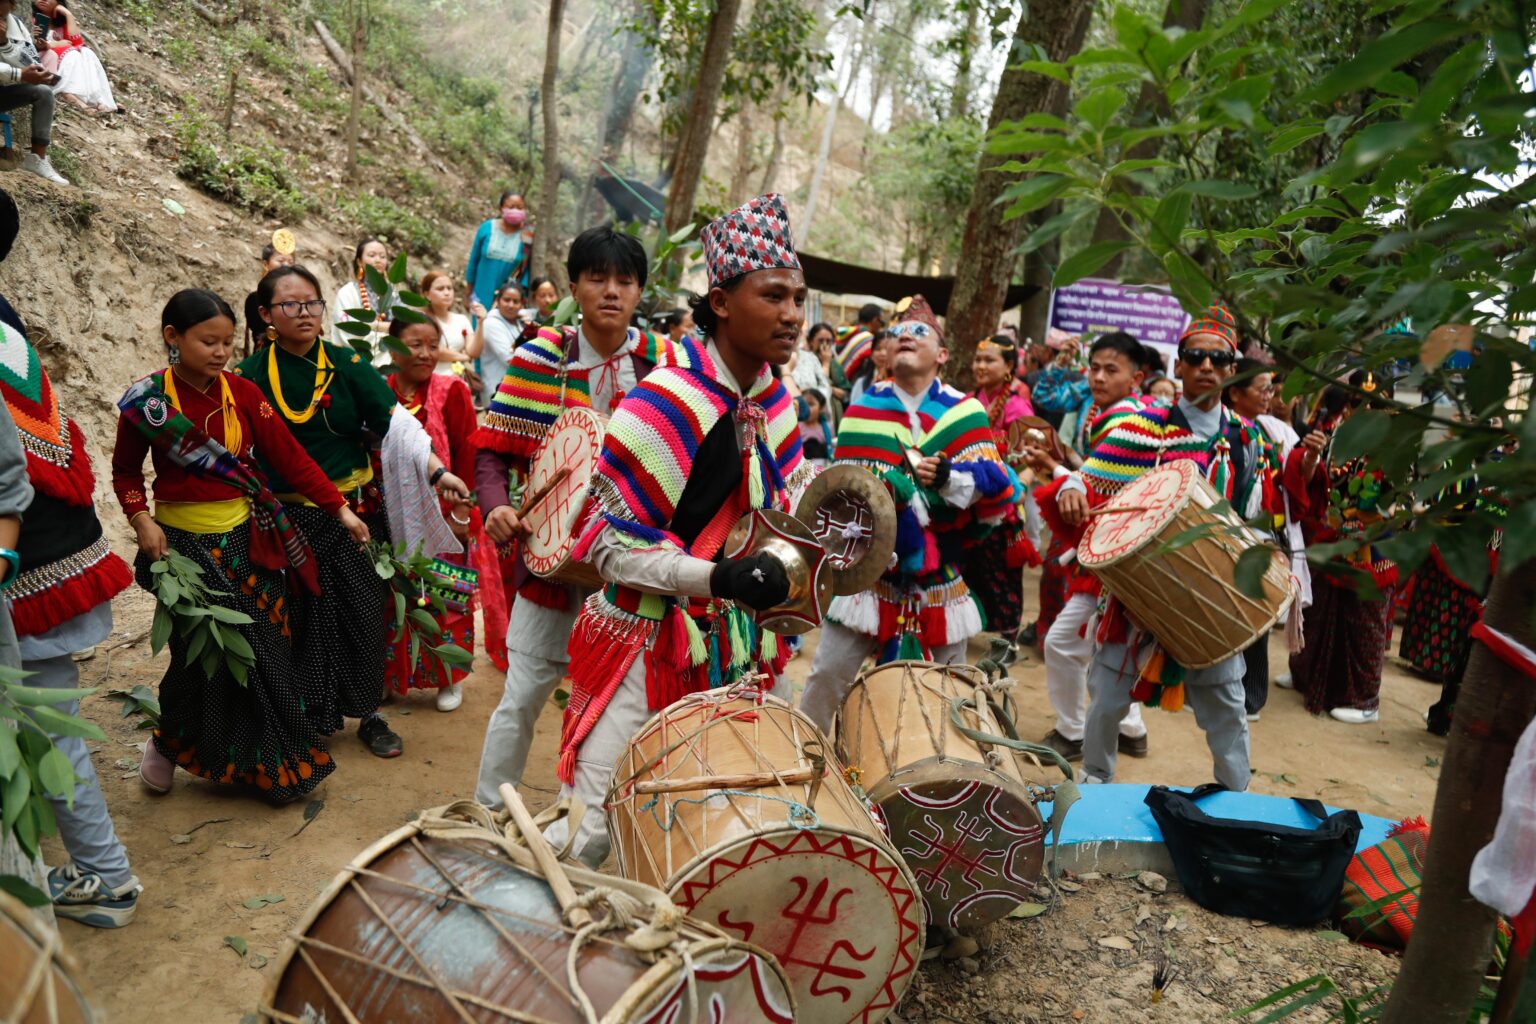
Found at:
[444, 406]
[201, 425]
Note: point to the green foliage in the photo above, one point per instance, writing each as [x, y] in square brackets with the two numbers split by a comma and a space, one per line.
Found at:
[141, 700]
[396, 302]
[382, 217]
[1392, 191]
[772, 52]
[927, 171]
[187, 606]
[256, 177]
[31, 768]
[669, 262]
[404, 573]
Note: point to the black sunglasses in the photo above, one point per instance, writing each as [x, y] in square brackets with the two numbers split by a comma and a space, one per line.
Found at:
[1196, 356]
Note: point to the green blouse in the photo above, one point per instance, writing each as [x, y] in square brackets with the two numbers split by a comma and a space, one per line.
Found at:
[355, 408]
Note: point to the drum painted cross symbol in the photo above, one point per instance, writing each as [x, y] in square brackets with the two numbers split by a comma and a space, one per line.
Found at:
[968, 834]
[812, 914]
[574, 443]
[569, 451]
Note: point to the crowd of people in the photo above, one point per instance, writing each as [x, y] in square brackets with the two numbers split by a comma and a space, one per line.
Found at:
[291, 455]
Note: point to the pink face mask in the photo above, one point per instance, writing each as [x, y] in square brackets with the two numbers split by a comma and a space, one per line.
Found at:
[513, 217]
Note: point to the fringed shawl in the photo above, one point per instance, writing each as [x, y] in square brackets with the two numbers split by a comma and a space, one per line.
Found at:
[529, 397]
[648, 455]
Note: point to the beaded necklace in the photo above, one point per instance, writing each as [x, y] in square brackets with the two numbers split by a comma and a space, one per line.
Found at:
[322, 384]
[234, 439]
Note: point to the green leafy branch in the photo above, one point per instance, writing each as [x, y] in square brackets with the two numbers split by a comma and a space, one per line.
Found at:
[406, 573]
[32, 769]
[185, 604]
[396, 302]
[141, 700]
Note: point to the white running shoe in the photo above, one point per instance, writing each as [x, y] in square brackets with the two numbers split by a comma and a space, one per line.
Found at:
[1254, 717]
[40, 166]
[450, 697]
[1285, 682]
[1354, 716]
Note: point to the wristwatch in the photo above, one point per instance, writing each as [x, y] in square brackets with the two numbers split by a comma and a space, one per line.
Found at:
[437, 474]
[14, 568]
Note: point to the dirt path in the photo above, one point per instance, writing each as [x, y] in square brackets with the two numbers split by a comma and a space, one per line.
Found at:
[201, 854]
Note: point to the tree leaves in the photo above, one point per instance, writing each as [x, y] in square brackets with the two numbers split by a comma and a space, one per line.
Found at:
[1248, 574]
[1085, 261]
[1100, 106]
[23, 890]
[1386, 53]
[1361, 434]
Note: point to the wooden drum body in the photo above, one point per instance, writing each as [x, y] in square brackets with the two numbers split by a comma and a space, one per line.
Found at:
[573, 445]
[727, 801]
[37, 977]
[962, 818]
[1186, 597]
[457, 929]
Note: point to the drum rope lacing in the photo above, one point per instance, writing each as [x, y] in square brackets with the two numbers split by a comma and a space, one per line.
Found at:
[800, 816]
[465, 820]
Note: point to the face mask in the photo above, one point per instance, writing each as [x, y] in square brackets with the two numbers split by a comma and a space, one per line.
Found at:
[512, 217]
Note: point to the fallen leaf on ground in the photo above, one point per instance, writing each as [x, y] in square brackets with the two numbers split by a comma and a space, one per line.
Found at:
[236, 943]
[1024, 910]
[1069, 886]
[1117, 942]
[181, 840]
[1328, 935]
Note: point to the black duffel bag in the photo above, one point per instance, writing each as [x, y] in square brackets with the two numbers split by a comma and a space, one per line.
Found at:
[1254, 869]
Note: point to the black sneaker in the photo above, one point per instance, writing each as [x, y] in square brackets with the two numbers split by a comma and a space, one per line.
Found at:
[380, 739]
[1133, 746]
[1029, 635]
[1072, 750]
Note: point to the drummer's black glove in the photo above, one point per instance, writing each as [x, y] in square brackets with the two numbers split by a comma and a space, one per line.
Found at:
[757, 581]
[941, 472]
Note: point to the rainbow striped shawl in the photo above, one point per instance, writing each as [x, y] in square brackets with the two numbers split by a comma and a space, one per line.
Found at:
[850, 352]
[529, 397]
[655, 433]
[876, 433]
[1129, 440]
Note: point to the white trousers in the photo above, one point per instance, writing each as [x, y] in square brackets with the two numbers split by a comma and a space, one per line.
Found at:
[1067, 656]
[536, 662]
[602, 749]
[840, 653]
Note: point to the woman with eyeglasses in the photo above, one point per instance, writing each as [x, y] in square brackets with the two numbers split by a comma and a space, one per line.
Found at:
[201, 425]
[337, 407]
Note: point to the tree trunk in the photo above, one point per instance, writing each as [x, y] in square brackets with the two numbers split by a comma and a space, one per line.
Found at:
[1185, 14]
[1453, 936]
[960, 95]
[693, 146]
[549, 190]
[771, 171]
[355, 110]
[988, 244]
[824, 152]
[742, 167]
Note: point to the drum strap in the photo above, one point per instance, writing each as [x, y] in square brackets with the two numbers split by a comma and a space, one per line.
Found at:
[1064, 793]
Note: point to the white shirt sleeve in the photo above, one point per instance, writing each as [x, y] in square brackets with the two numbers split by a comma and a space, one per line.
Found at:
[1074, 482]
[660, 570]
[498, 339]
[959, 491]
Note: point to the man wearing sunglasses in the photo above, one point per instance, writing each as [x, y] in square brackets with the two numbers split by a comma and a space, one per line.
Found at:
[1198, 427]
[934, 448]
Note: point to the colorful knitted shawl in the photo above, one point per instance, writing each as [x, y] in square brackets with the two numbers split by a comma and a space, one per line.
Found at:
[648, 455]
[1133, 442]
[851, 351]
[275, 542]
[876, 432]
[67, 567]
[530, 395]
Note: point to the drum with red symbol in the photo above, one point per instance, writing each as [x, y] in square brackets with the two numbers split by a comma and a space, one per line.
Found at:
[958, 810]
[1187, 597]
[556, 496]
[729, 802]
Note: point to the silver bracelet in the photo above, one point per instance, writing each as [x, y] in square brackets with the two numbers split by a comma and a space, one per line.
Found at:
[461, 522]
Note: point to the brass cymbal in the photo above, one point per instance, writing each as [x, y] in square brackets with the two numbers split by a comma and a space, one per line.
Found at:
[789, 541]
[850, 513]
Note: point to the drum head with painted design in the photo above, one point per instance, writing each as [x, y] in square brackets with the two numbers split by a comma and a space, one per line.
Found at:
[1151, 501]
[574, 442]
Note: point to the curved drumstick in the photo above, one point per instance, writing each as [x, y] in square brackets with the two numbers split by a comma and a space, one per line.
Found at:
[535, 499]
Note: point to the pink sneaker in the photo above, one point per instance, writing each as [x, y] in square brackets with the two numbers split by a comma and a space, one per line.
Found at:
[155, 771]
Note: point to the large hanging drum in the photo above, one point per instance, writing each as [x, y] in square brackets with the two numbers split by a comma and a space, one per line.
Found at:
[728, 801]
[446, 920]
[1186, 597]
[558, 481]
[37, 977]
[959, 812]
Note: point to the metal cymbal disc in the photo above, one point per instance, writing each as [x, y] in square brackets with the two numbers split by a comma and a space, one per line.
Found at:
[850, 513]
[791, 543]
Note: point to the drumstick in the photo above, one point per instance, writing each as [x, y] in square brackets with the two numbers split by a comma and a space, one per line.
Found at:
[554, 874]
[1106, 510]
[746, 780]
[533, 500]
